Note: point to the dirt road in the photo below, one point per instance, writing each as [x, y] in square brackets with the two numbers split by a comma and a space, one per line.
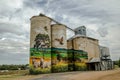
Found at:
[88, 75]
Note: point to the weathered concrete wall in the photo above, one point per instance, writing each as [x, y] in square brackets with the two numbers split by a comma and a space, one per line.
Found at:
[59, 36]
[40, 44]
[106, 62]
[58, 42]
[86, 44]
[39, 24]
[105, 52]
[69, 44]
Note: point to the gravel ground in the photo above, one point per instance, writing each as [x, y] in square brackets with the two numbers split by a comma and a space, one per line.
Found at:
[57, 76]
[88, 75]
[78, 75]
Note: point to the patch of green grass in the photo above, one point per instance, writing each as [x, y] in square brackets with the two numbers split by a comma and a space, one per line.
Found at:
[19, 72]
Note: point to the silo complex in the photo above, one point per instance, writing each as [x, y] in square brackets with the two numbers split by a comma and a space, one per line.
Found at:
[59, 46]
[40, 44]
[50, 51]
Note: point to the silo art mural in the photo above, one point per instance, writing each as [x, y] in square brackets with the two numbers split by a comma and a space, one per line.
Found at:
[48, 48]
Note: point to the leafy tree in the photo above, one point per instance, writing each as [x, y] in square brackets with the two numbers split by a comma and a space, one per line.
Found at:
[13, 67]
[119, 62]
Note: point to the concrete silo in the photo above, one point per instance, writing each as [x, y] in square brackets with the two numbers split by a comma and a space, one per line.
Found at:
[58, 36]
[59, 46]
[39, 25]
[106, 61]
[40, 44]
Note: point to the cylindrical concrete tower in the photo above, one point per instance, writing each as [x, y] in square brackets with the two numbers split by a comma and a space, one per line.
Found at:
[59, 46]
[40, 35]
[58, 36]
[40, 44]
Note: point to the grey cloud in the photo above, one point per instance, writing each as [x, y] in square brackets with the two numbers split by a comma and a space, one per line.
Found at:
[103, 32]
[11, 28]
[14, 22]
[10, 58]
[35, 3]
[14, 46]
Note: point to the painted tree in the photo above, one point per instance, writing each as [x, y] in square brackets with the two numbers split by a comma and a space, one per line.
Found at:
[42, 41]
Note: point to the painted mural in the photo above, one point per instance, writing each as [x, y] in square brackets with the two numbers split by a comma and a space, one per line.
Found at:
[59, 60]
[42, 41]
[44, 59]
[77, 60]
[40, 55]
[71, 60]
[48, 48]
[80, 60]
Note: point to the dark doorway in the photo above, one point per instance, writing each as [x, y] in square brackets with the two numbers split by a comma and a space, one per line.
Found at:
[91, 66]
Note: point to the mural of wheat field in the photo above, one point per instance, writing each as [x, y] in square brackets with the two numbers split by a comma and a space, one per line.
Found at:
[47, 60]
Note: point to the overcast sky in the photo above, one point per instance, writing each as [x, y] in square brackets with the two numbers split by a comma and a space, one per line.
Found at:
[101, 18]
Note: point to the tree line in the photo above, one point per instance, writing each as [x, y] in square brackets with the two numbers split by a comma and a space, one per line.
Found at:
[117, 62]
[14, 67]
